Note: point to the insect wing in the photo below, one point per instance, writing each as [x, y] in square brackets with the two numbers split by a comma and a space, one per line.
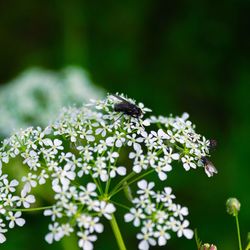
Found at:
[120, 98]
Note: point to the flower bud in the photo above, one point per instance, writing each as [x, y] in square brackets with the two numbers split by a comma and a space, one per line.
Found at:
[207, 246]
[233, 206]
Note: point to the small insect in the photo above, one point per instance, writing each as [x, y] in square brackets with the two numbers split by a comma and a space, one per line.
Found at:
[127, 107]
[212, 144]
[210, 169]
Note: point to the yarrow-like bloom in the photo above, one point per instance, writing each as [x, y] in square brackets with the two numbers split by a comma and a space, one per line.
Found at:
[80, 154]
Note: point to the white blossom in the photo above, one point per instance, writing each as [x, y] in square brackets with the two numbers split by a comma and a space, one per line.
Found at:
[14, 218]
[105, 209]
[146, 238]
[135, 215]
[183, 230]
[87, 157]
[86, 240]
[25, 199]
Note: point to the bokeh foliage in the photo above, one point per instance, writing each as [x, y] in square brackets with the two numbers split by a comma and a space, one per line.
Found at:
[174, 56]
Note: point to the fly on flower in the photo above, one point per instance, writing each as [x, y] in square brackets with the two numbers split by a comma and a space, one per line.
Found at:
[127, 107]
[210, 169]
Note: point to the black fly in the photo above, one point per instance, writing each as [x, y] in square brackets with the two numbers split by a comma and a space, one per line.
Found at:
[127, 107]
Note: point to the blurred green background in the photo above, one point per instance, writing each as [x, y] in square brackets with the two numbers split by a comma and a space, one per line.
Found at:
[174, 56]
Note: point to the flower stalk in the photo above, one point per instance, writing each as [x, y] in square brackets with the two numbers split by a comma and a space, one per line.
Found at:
[117, 233]
[238, 231]
[233, 207]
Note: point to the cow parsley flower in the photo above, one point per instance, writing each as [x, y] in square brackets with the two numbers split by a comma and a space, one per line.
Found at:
[164, 217]
[87, 157]
[23, 99]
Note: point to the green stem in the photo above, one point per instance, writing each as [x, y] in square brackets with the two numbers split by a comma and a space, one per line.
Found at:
[98, 185]
[122, 181]
[197, 240]
[248, 246]
[238, 231]
[120, 205]
[117, 233]
[129, 183]
[30, 209]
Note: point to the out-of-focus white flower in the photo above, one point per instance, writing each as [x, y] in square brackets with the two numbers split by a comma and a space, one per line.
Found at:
[36, 95]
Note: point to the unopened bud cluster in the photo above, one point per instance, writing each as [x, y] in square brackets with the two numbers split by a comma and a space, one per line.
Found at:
[207, 246]
[233, 206]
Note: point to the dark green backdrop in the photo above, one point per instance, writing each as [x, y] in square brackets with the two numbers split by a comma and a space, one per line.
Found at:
[174, 56]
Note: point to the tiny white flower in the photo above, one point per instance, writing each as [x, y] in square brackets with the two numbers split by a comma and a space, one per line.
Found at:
[100, 171]
[183, 230]
[54, 145]
[145, 188]
[87, 192]
[169, 155]
[161, 170]
[66, 229]
[134, 215]
[30, 181]
[94, 225]
[132, 140]
[167, 195]
[161, 216]
[55, 212]
[180, 211]
[162, 235]
[25, 199]
[110, 141]
[42, 177]
[86, 134]
[119, 139]
[2, 231]
[146, 238]
[112, 156]
[86, 240]
[140, 164]
[14, 218]
[105, 209]
[54, 234]
[9, 187]
[103, 129]
[188, 162]
[117, 170]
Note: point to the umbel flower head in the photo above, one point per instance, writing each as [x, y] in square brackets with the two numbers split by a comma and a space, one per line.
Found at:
[81, 156]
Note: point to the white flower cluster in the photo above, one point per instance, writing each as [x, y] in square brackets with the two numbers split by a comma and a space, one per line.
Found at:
[10, 200]
[157, 215]
[38, 91]
[79, 156]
